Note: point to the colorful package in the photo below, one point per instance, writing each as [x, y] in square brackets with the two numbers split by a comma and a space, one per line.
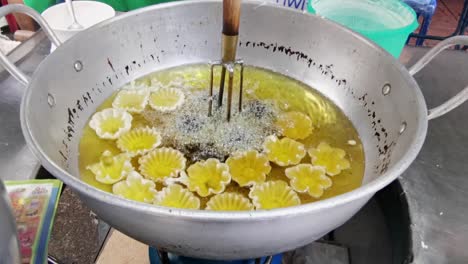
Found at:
[34, 203]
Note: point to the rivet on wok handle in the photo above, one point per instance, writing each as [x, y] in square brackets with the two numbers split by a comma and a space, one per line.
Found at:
[386, 89]
[50, 100]
[403, 127]
[78, 65]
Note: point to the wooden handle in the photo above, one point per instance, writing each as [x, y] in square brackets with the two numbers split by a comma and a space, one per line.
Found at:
[231, 14]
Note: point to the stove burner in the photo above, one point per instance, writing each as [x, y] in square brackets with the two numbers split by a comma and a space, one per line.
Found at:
[161, 257]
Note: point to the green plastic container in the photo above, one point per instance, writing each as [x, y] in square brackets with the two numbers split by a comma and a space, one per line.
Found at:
[386, 22]
[39, 5]
[118, 5]
[135, 4]
[128, 5]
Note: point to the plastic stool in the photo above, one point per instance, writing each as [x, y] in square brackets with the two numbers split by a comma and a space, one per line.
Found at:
[426, 9]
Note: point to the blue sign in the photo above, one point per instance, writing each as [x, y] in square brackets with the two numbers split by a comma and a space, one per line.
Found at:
[297, 4]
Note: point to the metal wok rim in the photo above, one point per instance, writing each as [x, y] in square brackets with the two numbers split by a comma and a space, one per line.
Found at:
[203, 215]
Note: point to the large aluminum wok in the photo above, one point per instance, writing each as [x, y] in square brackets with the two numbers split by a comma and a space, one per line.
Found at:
[377, 93]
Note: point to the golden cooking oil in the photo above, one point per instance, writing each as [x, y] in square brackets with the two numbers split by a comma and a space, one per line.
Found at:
[283, 93]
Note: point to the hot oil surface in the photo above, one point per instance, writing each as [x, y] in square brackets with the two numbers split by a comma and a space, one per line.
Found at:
[278, 93]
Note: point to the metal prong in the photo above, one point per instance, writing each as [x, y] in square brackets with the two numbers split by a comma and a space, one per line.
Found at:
[230, 69]
[210, 100]
[241, 84]
[221, 86]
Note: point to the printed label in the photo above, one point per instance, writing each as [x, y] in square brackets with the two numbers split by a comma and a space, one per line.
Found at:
[297, 4]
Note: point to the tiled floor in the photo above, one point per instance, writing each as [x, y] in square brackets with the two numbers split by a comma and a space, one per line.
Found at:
[445, 19]
[121, 249]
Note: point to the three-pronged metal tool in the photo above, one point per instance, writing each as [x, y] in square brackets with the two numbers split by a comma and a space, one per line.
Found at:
[231, 15]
